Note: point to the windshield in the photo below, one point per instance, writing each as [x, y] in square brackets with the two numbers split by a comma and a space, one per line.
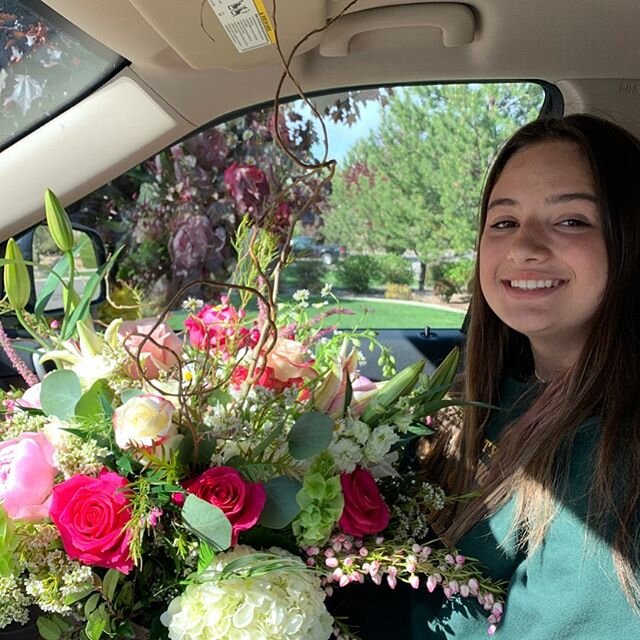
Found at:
[46, 64]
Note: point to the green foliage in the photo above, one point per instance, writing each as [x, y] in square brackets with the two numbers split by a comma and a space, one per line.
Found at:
[8, 543]
[124, 302]
[459, 272]
[415, 182]
[356, 272]
[307, 274]
[395, 269]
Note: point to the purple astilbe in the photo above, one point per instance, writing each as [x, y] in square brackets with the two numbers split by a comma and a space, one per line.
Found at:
[18, 364]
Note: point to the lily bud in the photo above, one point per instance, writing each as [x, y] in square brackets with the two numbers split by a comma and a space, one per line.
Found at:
[58, 222]
[17, 283]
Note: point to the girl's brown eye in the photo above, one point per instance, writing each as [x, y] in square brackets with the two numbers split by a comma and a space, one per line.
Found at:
[503, 224]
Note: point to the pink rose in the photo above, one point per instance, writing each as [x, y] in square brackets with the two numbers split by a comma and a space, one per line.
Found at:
[159, 353]
[26, 476]
[365, 512]
[290, 360]
[219, 328]
[242, 502]
[91, 515]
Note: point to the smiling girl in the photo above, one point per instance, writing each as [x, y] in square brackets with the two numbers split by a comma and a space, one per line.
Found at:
[554, 343]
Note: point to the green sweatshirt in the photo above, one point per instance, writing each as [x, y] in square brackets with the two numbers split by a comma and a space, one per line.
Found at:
[568, 588]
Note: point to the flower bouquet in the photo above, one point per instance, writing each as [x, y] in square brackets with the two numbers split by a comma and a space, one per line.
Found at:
[213, 483]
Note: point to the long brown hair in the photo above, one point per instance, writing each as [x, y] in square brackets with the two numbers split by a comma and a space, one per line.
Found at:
[530, 462]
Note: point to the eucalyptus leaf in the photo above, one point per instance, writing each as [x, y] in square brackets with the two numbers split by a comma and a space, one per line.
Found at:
[281, 507]
[207, 522]
[127, 394]
[60, 393]
[310, 435]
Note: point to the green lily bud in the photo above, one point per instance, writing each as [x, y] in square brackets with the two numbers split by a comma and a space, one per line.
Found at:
[58, 222]
[17, 283]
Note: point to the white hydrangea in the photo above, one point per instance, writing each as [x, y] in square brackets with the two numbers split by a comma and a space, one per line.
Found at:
[346, 454]
[279, 605]
[381, 440]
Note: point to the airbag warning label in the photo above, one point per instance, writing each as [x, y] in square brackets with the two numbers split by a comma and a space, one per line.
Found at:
[246, 22]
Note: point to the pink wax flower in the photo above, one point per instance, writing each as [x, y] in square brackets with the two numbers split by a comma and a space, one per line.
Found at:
[27, 475]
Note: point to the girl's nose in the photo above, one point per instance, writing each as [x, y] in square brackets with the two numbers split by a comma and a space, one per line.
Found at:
[529, 243]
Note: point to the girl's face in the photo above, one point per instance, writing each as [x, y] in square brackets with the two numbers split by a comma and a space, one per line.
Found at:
[543, 263]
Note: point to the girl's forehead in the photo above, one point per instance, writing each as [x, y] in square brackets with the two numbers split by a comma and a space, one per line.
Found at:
[546, 166]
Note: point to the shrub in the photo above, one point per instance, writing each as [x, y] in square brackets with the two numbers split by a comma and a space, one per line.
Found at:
[459, 273]
[307, 274]
[395, 269]
[356, 272]
[397, 291]
[444, 289]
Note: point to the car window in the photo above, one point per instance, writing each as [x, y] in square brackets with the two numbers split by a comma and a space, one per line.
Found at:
[393, 237]
[46, 64]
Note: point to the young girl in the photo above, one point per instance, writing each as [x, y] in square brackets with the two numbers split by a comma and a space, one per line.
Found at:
[554, 342]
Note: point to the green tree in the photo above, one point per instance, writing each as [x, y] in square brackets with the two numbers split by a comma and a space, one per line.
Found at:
[414, 183]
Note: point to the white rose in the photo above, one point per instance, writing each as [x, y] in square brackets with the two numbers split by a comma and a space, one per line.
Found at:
[143, 421]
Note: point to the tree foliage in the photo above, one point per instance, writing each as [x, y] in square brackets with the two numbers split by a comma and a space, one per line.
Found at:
[414, 183]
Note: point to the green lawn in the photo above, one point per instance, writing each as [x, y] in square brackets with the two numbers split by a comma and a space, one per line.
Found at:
[379, 314]
[387, 314]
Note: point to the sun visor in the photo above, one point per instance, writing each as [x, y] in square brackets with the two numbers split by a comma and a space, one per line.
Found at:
[233, 34]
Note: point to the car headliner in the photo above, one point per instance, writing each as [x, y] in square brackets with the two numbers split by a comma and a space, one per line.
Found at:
[184, 73]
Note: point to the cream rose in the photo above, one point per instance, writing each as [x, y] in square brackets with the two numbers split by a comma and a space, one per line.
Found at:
[290, 359]
[144, 421]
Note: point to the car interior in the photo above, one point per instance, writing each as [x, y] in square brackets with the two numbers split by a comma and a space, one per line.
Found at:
[161, 71]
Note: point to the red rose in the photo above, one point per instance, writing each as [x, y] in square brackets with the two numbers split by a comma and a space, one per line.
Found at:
[91, 515]
[365, 512]
[242, 502]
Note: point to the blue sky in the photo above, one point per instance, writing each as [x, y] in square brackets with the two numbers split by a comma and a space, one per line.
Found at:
[341, 136]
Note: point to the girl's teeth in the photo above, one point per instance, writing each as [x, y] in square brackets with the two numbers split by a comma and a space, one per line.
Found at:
[534, 284]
